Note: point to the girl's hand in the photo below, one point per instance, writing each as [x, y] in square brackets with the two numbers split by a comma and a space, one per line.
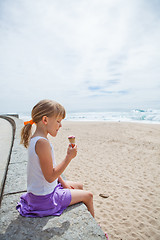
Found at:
[71, 152]
[66, 185]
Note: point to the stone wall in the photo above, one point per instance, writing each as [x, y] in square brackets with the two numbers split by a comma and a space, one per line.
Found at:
[75, 222]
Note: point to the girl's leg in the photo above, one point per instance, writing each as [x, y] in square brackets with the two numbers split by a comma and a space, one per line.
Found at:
[83, 196]
[75, 185]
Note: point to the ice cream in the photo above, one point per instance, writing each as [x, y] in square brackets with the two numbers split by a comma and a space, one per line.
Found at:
[72, 140]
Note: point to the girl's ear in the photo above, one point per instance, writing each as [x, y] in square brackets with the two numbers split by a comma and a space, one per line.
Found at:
[45, 120]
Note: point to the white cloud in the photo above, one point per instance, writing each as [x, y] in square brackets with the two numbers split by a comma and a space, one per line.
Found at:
[67, 49]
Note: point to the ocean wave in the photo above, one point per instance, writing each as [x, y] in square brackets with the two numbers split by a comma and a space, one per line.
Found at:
[135, 115]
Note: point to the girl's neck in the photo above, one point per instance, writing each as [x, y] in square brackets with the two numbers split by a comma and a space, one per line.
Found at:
[40, 132]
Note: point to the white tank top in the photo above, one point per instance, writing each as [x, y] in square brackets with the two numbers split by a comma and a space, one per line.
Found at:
[36, 183]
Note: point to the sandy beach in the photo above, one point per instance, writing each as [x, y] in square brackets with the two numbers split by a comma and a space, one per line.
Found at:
[122, 161]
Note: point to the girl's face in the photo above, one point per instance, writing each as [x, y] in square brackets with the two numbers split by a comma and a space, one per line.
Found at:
[53, 125]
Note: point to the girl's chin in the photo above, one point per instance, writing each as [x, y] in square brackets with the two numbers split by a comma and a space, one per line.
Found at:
[54, 134]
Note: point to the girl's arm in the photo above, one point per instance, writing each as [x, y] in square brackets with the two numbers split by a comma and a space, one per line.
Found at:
[43, 150]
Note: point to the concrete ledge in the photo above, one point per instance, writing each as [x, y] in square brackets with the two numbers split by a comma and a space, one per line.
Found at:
[10, 115]
[75, 222]
[7, 138]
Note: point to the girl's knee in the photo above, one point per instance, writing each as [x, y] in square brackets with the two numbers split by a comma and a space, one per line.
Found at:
[75, 185]
[89, 196]
[80, 186]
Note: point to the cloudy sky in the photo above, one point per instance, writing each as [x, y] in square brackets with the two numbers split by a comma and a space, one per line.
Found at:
[86, 54]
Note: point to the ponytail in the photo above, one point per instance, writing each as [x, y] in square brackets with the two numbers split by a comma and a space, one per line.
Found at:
[26, 134]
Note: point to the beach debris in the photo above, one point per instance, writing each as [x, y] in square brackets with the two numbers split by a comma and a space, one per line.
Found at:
[103, 195]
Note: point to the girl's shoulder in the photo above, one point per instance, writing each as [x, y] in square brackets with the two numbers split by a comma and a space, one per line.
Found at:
[41, 144]
[39, 140]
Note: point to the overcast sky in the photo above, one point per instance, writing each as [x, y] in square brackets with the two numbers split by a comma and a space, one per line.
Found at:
[86, 54]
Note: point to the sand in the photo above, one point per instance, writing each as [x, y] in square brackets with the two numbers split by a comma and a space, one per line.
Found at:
[121, 160]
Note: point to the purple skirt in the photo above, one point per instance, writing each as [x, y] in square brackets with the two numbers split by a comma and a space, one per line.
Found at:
[51, 204]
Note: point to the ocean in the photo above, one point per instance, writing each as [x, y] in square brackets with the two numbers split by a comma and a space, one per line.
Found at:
[135, 115]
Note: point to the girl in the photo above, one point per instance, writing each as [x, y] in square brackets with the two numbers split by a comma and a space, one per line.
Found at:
[47, 193]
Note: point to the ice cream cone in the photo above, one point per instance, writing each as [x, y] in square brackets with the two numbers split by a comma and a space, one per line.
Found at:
[72, 140]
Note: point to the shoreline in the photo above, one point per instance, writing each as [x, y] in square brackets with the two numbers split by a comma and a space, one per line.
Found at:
[106, 121]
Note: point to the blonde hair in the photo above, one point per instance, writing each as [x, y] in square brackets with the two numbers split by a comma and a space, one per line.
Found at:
[45, 107]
